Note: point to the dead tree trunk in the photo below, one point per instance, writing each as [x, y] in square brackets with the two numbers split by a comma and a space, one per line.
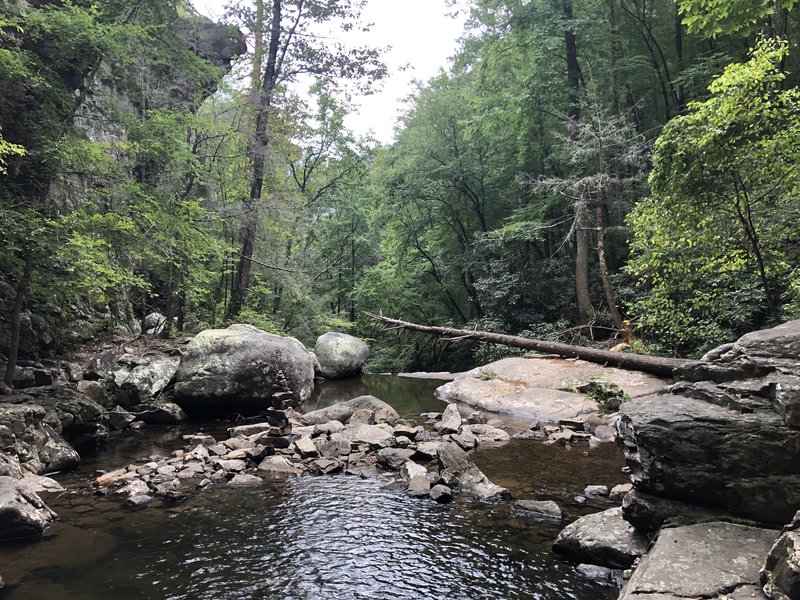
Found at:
[624, 360]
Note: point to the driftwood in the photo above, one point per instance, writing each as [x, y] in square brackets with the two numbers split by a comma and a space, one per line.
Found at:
[623, 360]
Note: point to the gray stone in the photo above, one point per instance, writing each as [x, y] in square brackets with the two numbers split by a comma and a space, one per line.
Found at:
[329, 427]
[780, 575]
[138, 501]
[275, 424]
[603, 538]
[119, 418]
[22, 512]
[701, 453]
[101, 366]
[80, 420]
[342, 411]
[379, 436]
[39, 483]
[703, 560]
[278, 466]
[451, 420]
[619, 491]
[441, 494]
[29, 442]
[332, 447]
[601, 575]
[144, 382]
[340, 355]
[488, 436]
[464, 439]
[245, 480]
[305, 446]
[324, 466]
[648, 512]
[163, 413]
[427, 450]
[595, 491]
[154, 323]
[457, 469]
[241, 368]
[394, 458]
[362, 415]
[418, 486]
[540, 509]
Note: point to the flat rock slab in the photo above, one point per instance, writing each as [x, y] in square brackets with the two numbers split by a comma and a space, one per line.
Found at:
[703, 560]
[539, 387]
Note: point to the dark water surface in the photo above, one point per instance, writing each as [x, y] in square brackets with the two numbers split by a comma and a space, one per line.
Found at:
[312, 538]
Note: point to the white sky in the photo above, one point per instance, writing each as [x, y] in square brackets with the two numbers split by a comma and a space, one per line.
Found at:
[421, 35]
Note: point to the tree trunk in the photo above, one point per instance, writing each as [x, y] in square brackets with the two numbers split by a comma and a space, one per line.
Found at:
[259, 154]
[608, 289]
[573, 70]
[636, 362]
[16, 319]
[585, 309]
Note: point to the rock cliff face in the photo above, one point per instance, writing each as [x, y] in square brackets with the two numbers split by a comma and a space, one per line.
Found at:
[726, 435]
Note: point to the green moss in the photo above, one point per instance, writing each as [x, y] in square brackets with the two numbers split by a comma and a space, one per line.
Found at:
[606, 393]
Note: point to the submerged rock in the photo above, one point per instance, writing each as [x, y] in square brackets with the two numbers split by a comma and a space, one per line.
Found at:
[603, 538]
[242, 368]
[340, 355]
[540, 509]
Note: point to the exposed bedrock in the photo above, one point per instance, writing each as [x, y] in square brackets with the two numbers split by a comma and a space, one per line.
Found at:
[726, 435]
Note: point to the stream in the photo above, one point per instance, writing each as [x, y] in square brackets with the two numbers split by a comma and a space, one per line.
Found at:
[328, 537]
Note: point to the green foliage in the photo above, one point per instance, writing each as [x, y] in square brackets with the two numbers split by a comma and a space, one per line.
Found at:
[718, 17]
[714, 246]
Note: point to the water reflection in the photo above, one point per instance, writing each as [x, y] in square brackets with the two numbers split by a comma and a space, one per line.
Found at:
[313, 538]
[408, 396]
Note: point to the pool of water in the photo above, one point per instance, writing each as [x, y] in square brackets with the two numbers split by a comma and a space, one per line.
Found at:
[325, 537]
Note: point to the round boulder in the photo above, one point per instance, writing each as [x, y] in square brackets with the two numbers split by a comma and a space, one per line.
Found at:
[340, 355]
[242, 368]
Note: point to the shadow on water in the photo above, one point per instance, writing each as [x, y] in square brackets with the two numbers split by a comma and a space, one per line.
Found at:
[334, 537]
[409, 396]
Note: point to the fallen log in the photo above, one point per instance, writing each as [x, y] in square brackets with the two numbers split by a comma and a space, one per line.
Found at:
[624, 360]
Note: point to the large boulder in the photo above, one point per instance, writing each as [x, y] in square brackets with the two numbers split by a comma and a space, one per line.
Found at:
[29, 443]
[706, 560]
[22, 512]
[340, 355]
[724, 436]
[540, 388]
[242, 368]
[145, 381]
[603, 538]
[78, 418]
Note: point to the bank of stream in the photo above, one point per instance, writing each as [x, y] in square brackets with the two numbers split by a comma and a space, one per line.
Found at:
[335, 536]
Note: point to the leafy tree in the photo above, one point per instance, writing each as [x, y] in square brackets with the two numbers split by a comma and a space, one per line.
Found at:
[715, 246]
